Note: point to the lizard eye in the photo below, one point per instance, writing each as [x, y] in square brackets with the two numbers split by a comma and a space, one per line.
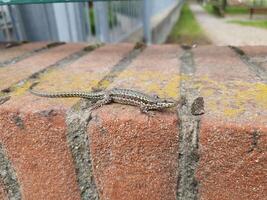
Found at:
[168, 101]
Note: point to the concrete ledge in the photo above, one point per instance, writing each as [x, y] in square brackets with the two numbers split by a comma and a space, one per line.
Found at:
[163, 23]
[58, 149]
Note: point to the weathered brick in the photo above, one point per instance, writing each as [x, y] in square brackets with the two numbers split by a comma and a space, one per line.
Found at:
[233, 162]
[254, 50]
[3, 194]
[9, 53]
[257, 54]
[33, 129]
[13, 73]
[156, 71]
[3, 45]
[134, 155]
[37, 148]
[234, 128]
[85, 73]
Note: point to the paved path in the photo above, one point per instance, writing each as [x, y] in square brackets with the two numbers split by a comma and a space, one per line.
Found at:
[222, 33]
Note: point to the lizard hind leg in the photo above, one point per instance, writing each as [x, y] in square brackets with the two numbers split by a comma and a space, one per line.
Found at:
[107, 99]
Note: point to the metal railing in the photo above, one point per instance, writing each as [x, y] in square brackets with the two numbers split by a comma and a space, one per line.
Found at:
[104, 21]
[5, 24]
[116, 20]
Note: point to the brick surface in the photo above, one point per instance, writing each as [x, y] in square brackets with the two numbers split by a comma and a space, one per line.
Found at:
[9, 74]
[86, 72]
[33, 129]
[83, 74]
[3, 194]
[135, 156]
[257, 54]
[234, 128]
[9, 53]
[156, 71]
[37, 148]
[3, 45]
[232, 92]
[233, 162]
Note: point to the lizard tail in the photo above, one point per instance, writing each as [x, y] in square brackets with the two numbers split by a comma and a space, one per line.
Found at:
[60, 94]
[78, 94]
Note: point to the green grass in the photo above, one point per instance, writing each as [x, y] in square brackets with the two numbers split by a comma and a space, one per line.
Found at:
[208, 8]
[187, 30]
[256, 23]
[92, 20]
[112, 19]
[236, 10]
[233, 10]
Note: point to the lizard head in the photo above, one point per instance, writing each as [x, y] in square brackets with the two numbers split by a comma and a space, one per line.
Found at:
[167, 103]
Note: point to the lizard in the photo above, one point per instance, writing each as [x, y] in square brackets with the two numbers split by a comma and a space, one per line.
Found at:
[122, 96]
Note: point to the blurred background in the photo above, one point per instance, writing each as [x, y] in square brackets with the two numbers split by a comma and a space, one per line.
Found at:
[105, 21]
[220, 22]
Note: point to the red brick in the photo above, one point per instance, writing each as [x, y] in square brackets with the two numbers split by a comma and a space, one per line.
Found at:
[134, 155]
[38, 151]
[3, 45]
[33, 129]
[257, 54]
[254, 50]
[222, 63]
[83, 74]
[23, 69]
[232, 92]
[9, 53]
[231, 162]
[231, 166]
[3, 194]
[156, 71]
[86, 72]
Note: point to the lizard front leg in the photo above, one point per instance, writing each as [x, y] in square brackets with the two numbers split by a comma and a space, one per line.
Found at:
[145, 110]
[107, 99]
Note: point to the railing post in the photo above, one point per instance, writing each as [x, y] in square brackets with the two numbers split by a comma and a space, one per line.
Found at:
[87, 20]
[147, 22]
[17, 23]
[101, 17]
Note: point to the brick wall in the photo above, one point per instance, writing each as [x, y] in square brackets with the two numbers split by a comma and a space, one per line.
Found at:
[58, 149]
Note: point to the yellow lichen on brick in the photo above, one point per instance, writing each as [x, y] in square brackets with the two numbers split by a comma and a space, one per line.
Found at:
[232, 98]
[164, 84]
[20, 90]
[172, 87]
[261, 94]
[232, 112]
[207, 92]
[61, 80]
[104, 84]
